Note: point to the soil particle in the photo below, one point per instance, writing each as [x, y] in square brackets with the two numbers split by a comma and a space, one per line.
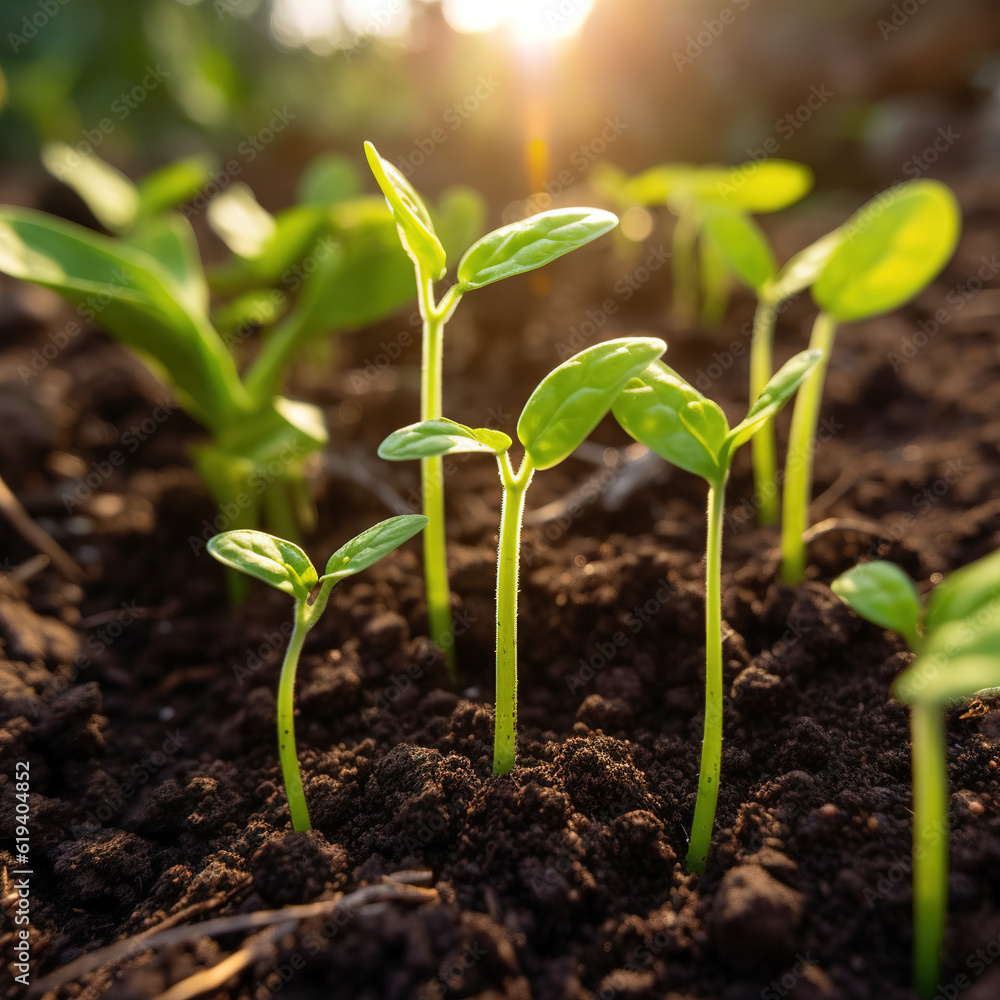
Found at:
[296, 868]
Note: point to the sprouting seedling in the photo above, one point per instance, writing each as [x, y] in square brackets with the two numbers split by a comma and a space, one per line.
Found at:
[886, 254]
[668, 415]
[284, 566]
[957, 642]
[742, 244]
[693, 194]
[564, 408]
[514, 249]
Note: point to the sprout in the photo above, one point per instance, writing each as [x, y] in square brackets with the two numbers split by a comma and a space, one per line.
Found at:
[662, 411]
[695, 195]
[957, 642]
[565, 407]
[884, 255]
[514, 249]
[284, 566]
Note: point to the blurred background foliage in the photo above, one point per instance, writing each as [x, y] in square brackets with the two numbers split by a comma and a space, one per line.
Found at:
[524, 95]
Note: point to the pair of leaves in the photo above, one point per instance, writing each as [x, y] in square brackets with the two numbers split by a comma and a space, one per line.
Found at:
[671, 417]
[564, 408]
[959, 651]
[514, 249]
[764, 186]
[286, 567]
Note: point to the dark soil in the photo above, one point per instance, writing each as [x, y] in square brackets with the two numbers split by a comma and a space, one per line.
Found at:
[145, 705]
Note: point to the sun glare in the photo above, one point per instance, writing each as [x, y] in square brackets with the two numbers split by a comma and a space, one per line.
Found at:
[531, 23]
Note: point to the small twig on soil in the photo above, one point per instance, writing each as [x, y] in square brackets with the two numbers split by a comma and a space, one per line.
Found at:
[385, 892]
[257, 946]
[41, 540]
[356, 468]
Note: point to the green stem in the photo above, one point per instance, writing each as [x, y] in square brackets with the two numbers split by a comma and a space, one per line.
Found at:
[432, 471]
[684, 269]
[508, 560]
[262, 377]
[305, 617]
[798, 463]
[714, 285]
[711, 747]
[930, 845]
[765, 462]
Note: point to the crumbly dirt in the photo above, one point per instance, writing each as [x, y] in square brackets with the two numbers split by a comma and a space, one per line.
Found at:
[144, 705]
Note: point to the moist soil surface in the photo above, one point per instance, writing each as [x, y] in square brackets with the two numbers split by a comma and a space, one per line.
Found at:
[144, 704]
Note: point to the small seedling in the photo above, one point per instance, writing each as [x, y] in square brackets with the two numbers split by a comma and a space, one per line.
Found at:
[885, 254]
[565, 407]
[957, 642]
[284, 566]
[514, 249]
[668, 415]
[694, 194]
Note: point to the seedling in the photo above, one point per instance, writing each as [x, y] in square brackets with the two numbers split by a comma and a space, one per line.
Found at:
[662, 411]
[564, 408]
[957, 642]
[885, 254]
[742, 244]
[284, 566]
[514, 249]
[693, 194]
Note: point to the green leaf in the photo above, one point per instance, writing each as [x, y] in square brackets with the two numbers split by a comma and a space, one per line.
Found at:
[416, 231]
[968, 592]
[571, 400]
[173, 184]
[765, 186]
[240, 221]
[883, 594]
[668, 415]
[170, 240]
[804, 268]
[441, 437]
[742, 244]
[109, 194]
[531, 243]
[778, 391]
[371, 545]
[134, 298]
[328, 179]
[281, 564]
[890, 250]
[934, 679]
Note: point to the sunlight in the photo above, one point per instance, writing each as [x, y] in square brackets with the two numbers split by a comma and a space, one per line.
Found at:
[532, 23]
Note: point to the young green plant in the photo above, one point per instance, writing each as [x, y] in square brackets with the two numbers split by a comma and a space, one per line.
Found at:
[284, 566]
[737, 239]
[957, 642]
[564, 408]
[668, 415]
[693, 194]
[884, 255]
[514, 249]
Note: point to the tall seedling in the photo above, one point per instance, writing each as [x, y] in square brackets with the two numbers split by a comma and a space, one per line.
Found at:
[514, 249]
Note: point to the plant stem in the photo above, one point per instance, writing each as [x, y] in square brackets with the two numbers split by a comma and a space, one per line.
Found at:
[714, 285]
[684, 269]
[286, 724]
[305, 617]
[930, 845]
[432, 471]
[711, 747]
[799, 461]
[262, 377]
[508, 561]
[765, 462]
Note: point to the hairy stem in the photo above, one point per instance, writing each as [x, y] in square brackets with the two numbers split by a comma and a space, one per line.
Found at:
[765, 462]
[508, 561]
[930, 845]
[799, 461]
[711, 747]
